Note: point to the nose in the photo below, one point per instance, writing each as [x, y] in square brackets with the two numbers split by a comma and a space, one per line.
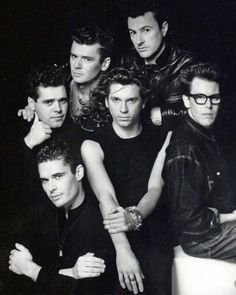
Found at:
[123, 107]
[52, 186]
[208, 103]
[139, 39]
[57, 107]
[78, 63]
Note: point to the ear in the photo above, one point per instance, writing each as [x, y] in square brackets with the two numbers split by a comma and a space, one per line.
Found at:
[144, 104]
[106, 64]
[31, 103]
[106, 102]
[79, 172]
[186, 101]
[164, 28]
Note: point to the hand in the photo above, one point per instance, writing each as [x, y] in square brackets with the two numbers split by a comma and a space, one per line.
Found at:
[88, 266]
[118, 220]
[20, 260]
[156, 116]
[129, 271]
[39, 132]
[27, 113]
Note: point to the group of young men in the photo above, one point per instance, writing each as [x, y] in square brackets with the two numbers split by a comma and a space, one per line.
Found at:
[145, 189]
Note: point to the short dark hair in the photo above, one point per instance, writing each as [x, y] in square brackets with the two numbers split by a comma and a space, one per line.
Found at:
[90, 35]
[159, 8]
[121, 76]
[59, 149]
[45, 76]
[205, 71]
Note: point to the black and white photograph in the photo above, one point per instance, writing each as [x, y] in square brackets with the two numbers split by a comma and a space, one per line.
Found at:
[118, 147]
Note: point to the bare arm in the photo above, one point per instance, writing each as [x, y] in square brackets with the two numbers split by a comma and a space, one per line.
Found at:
[128, 267]
[119, 220]
[155, 183]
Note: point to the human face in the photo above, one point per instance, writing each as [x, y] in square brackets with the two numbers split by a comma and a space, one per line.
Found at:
[59, 183]
[51, 105]
[85, 62]
[125, 104]
[205, 114]
[146, 36]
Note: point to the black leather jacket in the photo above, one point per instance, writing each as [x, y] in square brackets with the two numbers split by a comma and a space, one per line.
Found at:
[197, 184]
[162, 80]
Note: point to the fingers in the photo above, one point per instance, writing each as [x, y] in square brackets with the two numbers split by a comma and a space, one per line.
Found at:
[128, 283]
[36, 118]
[20, 113]
[121, 280]
[139, 279]
[20, 247]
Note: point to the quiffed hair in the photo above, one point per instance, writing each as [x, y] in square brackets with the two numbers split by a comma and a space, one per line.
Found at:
[59, 149]
[90, 35]
[159, 8]
[206, 71]
[45, 76]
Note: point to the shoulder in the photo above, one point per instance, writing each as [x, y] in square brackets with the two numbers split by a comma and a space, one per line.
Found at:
[183, 144]
[180, 57]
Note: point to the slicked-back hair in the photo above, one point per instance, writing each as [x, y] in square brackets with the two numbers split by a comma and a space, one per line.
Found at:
[159, 8]
[90, 35]
[121, 76]
[60, 150]
[206, 71]
[45, 76]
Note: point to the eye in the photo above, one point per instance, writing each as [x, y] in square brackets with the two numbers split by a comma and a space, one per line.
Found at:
[115, 99]
[132, 100]
[58, 176]
[146, 30]
[72, 56]
[63, 100]
[132, 33]
[43, 181]
[87, 58]
[48, 102]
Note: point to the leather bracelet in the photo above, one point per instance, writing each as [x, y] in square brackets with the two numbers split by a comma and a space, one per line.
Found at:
[136, 216]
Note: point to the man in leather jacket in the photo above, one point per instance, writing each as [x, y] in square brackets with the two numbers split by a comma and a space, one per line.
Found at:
[159, 61]
[200, 198]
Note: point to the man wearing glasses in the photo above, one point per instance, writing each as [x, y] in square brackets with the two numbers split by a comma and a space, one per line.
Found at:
[202, 205]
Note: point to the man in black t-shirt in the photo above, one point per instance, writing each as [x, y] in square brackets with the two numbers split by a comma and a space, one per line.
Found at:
[119, 164]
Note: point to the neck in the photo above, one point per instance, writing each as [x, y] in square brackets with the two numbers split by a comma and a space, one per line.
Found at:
[152, 59]
[77, 201]
[124, 132]
[85, 88]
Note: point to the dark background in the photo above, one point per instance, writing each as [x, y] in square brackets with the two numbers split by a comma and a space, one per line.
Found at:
[34, 32]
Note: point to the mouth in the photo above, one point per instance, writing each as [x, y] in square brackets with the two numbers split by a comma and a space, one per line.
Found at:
[77, 74]
[58, 118]
[55, 197]
[142, 49]
[123, 118]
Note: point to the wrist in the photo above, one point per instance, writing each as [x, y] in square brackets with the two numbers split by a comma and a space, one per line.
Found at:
[28, 142]
[136, 215]
[32, 270]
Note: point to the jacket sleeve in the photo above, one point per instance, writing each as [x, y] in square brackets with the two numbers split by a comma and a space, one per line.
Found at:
[187, 187]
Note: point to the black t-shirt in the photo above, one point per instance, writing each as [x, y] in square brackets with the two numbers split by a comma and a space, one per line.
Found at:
[129, 163]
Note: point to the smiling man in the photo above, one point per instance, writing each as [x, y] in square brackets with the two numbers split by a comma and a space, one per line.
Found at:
[57, 249]
[200, 197]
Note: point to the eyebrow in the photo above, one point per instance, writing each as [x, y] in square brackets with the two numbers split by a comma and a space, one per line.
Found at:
[144, 27]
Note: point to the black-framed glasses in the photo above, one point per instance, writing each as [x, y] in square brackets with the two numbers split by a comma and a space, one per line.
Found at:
[200, 98]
